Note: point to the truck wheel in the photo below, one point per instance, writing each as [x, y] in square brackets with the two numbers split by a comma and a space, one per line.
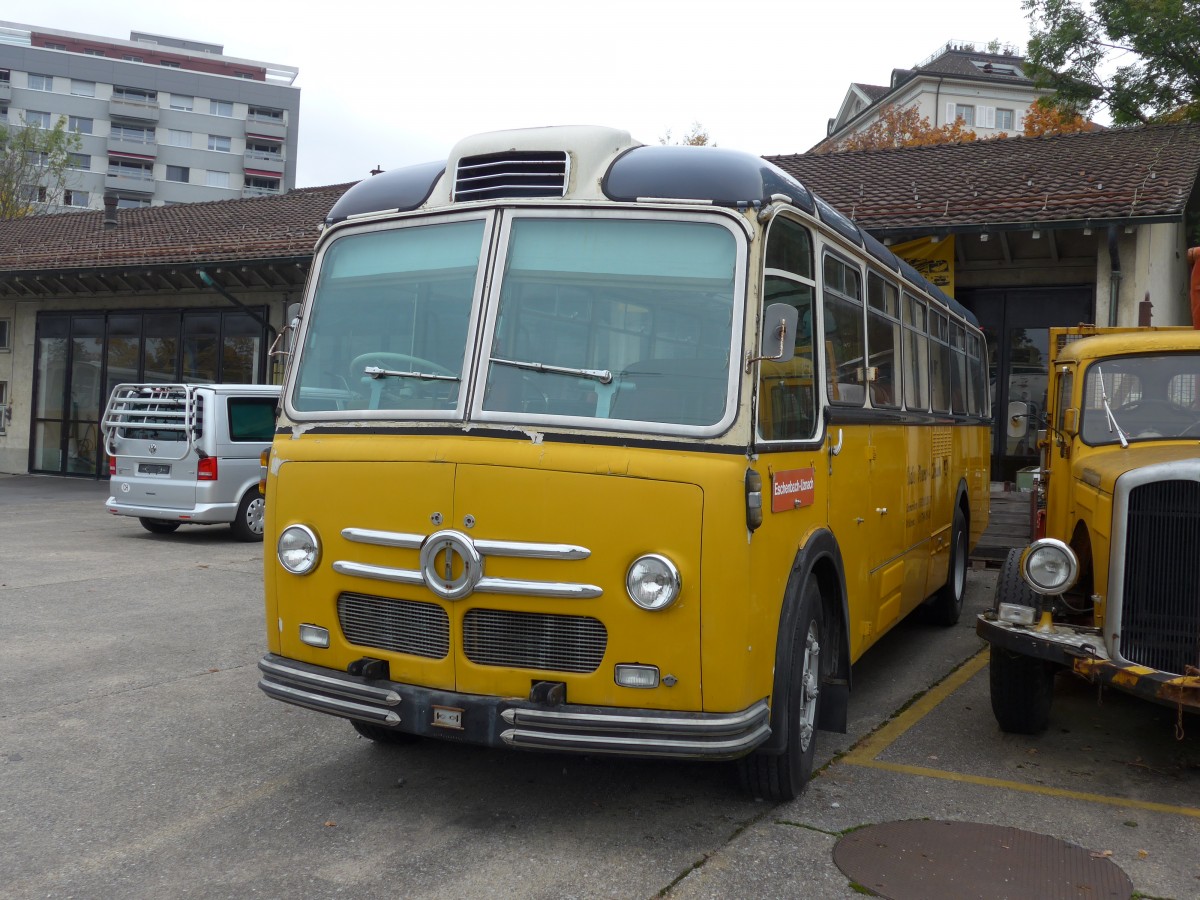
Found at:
[1022, 691]
[947, 604]
[382, 735]
[158, 526]
[247, 525]
[779, 777]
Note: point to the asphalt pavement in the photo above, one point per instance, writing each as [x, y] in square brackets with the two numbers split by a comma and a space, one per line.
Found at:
[139, 759]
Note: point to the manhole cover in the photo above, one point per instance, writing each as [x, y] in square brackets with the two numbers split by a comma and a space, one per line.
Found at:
[928, 860]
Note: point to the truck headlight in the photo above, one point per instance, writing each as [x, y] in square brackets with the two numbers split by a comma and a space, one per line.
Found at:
[1049, 566]
[298, 549]
[653, 582]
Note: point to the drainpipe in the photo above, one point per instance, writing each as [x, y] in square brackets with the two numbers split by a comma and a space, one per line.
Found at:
[1114, 276]
[1193, 257]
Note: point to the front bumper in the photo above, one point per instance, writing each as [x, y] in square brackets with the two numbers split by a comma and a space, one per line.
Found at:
[514, 722]
[1082, 651]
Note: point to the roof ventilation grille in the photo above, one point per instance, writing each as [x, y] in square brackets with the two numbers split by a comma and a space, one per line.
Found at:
[515, 173]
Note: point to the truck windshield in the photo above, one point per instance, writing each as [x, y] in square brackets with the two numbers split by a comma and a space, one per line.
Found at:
[626, 319]
[1152, 397]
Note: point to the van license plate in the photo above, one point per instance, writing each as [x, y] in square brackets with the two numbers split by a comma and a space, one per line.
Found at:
[447, 717]
[153, 469]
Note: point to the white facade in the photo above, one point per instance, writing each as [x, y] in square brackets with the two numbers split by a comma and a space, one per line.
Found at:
[159, 120]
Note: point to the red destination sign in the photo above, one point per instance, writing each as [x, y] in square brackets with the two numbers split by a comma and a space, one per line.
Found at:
[792, 489]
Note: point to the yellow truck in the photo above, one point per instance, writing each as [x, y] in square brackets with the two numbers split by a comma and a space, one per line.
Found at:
[1110, 586]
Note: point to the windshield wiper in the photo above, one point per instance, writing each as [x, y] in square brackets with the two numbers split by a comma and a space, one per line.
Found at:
[601, 375]
[376, 372]
[1108, 413]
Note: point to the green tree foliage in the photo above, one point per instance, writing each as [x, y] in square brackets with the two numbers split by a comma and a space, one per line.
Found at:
[34, 167]
[1138, 58]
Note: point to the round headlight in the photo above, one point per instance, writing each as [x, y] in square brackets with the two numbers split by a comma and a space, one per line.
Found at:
[298, 549]
[1049, 566]
[653, 582]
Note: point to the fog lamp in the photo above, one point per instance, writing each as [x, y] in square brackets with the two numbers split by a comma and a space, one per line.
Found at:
[1049, 566]
[1016, 614]
[314, 636]
[636, 676]
[298, 549]
[653, 582]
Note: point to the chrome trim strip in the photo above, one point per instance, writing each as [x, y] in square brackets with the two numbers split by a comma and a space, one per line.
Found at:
[730, 723]
[538, 588]
[383, 538]
[530, 550]
[379, 573]
[332, 705]
[337, 685]
[676, 747]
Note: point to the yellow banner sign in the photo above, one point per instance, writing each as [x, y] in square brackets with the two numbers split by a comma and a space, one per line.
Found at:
[933, 259]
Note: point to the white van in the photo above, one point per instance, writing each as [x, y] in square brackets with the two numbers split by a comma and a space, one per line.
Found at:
[188, 454]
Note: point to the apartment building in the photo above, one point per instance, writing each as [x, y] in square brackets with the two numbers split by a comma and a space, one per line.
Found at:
[985, 85]
[160, 120]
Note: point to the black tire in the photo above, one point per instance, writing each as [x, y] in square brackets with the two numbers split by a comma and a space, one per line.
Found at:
[158, 526]
[247, 525]
[382, 735]
[1022, 686]
[947, 604]
[780, 777]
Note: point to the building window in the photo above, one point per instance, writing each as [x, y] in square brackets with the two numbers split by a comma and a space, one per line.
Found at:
[168, 63]
[131, 58]
[5, 341]
[1004, 119]
[216, 179]
[219, 142]
[133, 134]
[36, 119]
[961, 111]
[183, 102]
[130, 168]
[3, 113]
[38, 159]
[75, 198]
[50, 45]
[81, 161]
[179, 138]
[4, 413]
[257, 186]
[178, 173]
[41, 82]
[93, 51]
[249, 75]
[132, 202]
[220, 108]
[33, 193]
[265, 150]
[80, 124]
[134, 95]
[83, 88]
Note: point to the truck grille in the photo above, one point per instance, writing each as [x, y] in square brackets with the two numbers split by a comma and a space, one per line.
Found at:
[534, 640]
[402, 626]
[1160, 609]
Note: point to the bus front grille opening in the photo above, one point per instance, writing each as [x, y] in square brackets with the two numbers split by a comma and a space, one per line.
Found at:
[511, 174]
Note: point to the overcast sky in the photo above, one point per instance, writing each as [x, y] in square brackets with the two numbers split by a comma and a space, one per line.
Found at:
[393, 83]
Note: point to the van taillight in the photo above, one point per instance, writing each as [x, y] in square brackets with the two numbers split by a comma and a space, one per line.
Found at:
[207, 470]
[112, 466]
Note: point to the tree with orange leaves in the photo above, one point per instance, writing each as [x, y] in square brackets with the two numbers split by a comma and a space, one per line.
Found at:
[901, 126]
[1048, 118]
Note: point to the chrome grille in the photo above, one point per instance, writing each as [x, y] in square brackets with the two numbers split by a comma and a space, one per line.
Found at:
[515, 173]
[402, 626]
[534, 640]
[1160, 609]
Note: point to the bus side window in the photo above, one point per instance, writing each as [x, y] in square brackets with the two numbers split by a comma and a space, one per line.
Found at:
[845, 351]
[787, 405]
[883, 341]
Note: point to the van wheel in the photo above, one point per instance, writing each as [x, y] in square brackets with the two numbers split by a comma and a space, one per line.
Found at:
[947, 604]
[248, 524]
[382, 735]
[779, 777]
[158, 526]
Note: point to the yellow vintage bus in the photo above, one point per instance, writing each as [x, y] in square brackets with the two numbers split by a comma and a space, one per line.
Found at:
[595, 447]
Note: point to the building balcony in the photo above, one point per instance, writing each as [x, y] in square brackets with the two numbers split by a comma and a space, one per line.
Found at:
[135, 149]
[265, 128]
[132, 109]
[266, 164]
[249, 191]
[127, 184]
[5, 91]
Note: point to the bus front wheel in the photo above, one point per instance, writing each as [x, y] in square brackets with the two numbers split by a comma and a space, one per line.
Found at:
[779, 777]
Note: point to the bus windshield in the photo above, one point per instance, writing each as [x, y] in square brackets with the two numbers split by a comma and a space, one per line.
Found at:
[1145, 397]
[629, 320]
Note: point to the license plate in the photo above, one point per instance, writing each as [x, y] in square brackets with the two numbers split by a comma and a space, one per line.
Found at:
[153, 469]
[447, 717]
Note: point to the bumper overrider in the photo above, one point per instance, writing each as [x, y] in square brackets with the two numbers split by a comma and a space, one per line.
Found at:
[1082, 651]
[515, 723]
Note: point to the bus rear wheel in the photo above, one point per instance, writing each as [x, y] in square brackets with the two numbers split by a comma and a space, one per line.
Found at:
[780, 777]
[947, 604]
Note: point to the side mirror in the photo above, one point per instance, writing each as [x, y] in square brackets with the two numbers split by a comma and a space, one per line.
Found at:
[778, 335]
[1018, 418]
[1070, 421]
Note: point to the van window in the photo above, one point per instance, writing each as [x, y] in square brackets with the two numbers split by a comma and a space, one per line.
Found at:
[252, 419]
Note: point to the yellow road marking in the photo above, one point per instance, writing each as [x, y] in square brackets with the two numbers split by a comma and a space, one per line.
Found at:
[866, 754]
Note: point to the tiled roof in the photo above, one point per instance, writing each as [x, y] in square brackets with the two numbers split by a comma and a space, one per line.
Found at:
[1116, 175]
[260, 228]
[873, 91]
[958, 63]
